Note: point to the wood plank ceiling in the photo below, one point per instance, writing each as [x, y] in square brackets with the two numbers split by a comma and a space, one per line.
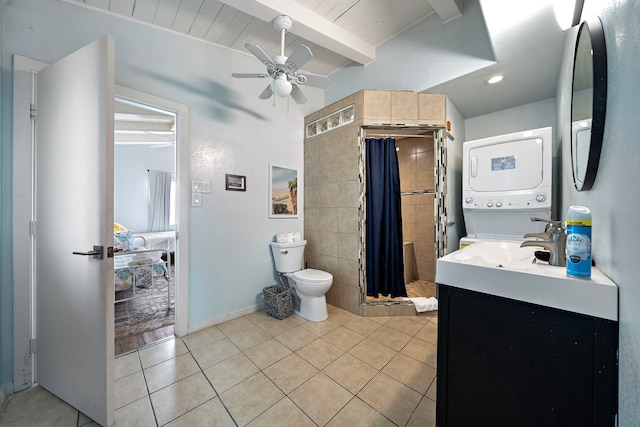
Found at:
[337, 31]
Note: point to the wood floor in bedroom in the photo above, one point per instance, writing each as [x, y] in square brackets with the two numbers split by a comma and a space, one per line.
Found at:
[134, 342]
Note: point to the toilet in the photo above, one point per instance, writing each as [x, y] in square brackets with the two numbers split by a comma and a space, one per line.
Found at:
[308, 286]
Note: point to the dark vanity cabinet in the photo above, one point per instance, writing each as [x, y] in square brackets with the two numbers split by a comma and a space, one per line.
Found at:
[503, 362]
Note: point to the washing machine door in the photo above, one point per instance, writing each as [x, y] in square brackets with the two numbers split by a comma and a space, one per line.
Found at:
[507, 166]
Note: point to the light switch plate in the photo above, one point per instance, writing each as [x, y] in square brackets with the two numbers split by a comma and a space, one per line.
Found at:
[198, 186]
[196, 199]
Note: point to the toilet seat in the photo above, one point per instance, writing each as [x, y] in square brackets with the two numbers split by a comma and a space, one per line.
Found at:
[311, 275]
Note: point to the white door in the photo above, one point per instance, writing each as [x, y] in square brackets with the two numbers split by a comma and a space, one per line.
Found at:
[74, 213]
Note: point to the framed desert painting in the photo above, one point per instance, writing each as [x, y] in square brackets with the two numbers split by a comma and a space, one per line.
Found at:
[283, 192]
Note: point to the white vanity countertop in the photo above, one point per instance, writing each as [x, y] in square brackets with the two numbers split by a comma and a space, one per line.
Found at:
[506, 270]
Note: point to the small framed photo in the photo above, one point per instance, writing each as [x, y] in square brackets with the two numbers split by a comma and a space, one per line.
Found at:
[235, 182]
[283, 192]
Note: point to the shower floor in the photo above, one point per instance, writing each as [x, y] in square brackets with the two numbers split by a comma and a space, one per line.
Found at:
[418, 288]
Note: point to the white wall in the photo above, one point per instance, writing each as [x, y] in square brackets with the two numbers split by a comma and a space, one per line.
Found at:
[528, 116]
[231, 131]
[424, 56]
[454, 178]
[6, 243]
[131, 182]
[614, 199]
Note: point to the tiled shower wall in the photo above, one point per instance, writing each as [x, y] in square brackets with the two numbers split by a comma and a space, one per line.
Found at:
[332, 190]
[416, 162]
[331, 196]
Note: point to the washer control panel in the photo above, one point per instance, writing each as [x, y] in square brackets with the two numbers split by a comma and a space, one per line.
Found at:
[522, 201]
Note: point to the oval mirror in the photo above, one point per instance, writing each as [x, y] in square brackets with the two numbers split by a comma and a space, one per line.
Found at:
[588, 103]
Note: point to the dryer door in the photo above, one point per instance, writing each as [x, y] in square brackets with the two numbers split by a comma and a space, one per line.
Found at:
[508, 166]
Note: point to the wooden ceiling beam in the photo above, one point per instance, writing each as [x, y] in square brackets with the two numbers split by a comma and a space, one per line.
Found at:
[447, 10]
[310, 26]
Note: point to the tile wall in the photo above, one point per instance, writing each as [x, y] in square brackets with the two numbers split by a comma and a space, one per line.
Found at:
[332, 189]
[415, 160]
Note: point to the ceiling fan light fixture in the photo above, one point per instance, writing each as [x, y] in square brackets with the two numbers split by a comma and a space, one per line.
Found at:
[285, 70]
[281, 86]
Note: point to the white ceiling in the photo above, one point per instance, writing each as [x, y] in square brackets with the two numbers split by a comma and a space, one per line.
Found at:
[136, 124]
[340, 32]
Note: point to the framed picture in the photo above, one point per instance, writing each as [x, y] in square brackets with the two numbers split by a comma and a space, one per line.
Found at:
[283, 192]
[235, 182]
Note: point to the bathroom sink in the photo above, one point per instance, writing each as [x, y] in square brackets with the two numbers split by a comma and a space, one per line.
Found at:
[507, 270]
[498, 254]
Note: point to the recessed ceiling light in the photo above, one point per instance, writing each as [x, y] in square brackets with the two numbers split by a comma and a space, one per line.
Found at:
[495, 79]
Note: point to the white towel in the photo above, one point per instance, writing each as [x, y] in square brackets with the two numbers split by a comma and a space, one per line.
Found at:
[423, 303]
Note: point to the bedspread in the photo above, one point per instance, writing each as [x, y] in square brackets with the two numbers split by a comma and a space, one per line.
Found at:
[139, 269]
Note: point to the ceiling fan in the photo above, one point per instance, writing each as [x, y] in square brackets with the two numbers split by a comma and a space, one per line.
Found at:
[285, 71]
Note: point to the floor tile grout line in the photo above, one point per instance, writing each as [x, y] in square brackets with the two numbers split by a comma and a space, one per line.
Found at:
[218, 395]
[189, 350]
[261, 370]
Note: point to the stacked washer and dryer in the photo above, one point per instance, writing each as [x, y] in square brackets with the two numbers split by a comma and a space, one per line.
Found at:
[506, 181]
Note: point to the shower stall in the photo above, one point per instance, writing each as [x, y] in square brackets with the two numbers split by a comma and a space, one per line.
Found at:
[421, 160]
[335, 193]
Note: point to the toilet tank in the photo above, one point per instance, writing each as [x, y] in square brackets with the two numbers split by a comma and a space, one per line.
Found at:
[289, 257]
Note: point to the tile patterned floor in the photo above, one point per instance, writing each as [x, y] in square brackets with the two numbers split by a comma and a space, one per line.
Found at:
[259, 371]
[417, 288]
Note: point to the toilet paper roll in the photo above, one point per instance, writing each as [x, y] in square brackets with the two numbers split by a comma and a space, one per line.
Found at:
[297, 236]
[290, 237]
[281, 237]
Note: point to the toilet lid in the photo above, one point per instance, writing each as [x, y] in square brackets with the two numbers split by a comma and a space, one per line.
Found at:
[312, 275]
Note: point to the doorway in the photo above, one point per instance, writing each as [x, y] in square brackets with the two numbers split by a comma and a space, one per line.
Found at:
[422, 193]
[148, 191]
[144, 154]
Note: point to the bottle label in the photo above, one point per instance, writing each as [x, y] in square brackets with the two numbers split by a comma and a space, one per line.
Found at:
[578, 251]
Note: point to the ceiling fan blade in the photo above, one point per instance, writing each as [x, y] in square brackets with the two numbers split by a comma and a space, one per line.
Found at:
[298, 95]
[266, 93]
[259, 53]
[315, 80]
[249, 75]
[300, 56]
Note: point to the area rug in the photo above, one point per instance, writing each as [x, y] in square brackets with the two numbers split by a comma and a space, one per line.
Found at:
[149, 310]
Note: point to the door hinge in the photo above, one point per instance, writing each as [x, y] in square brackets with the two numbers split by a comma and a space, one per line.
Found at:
[32, 228]
[32, 111]
[32, 346]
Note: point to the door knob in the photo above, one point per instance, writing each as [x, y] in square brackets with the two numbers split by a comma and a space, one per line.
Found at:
[97, 252]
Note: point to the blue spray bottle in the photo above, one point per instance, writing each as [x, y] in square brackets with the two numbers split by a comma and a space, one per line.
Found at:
[578, 249]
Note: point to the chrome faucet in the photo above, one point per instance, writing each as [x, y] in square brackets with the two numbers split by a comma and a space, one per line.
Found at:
[553, 239]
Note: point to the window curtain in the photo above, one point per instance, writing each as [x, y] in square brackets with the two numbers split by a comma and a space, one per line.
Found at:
[159, 200]
[384, 255]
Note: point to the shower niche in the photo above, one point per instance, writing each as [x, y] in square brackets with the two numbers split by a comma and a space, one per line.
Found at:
[334, 190]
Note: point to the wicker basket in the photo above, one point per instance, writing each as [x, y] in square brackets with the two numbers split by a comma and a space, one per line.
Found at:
[277, 301]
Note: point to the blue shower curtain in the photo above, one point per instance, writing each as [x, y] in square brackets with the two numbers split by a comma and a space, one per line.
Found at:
[385, 264]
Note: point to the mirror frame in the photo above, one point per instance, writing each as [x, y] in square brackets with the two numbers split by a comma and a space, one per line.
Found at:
[599, 101]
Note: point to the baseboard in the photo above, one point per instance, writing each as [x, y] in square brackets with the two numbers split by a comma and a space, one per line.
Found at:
[221, 319]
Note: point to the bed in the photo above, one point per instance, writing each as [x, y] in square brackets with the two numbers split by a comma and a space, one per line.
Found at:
[158, 240]
[136, 266]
